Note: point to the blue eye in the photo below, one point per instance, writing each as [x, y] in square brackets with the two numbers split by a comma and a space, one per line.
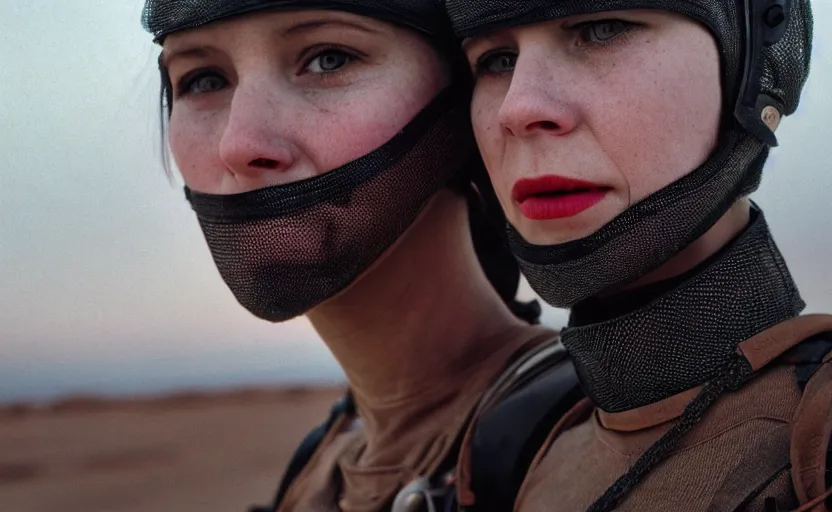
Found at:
[202, 83]
[328, 61]
[603, 31]
[496, 63]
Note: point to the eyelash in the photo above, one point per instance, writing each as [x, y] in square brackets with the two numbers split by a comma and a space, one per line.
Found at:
[187, 81]
[184, 84]
[482, 63]
[318, 51]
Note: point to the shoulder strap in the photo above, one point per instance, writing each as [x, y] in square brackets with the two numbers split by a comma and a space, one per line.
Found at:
[808, 357]
[811, 443]
[804, 343]
[766, 459]
[306, 450]
[533, 395]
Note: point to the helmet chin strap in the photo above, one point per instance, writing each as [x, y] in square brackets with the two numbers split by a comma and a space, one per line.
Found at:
[765, 24]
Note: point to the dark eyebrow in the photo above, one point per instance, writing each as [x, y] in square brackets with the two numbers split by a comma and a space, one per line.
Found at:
[203, 51]
[311, 25]
[468, 42]
[192, 52]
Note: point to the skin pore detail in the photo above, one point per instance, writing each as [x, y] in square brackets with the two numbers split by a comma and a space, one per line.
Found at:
[268, 105]
[271, 98]
[624, 102]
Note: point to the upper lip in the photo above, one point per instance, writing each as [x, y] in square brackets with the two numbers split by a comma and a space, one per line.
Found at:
[551, 184]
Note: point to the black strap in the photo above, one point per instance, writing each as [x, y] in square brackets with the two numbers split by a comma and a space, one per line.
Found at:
[504, 444]
[808, 356]
[508, 437]
[306, 450]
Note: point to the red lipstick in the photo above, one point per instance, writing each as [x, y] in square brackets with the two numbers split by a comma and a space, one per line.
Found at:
[556, 197]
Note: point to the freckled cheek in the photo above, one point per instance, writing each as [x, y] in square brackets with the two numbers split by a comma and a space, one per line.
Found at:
[345, 129]
[491, 146]
[332, 145]
[652, 130]
[195, 152]
[483, 134]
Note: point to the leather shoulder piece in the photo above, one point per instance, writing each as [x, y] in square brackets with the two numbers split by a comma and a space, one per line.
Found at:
[306, 450]
[811, 443]
[765, 461]
[507, 436]
[811, 424]
[782, 341]
[809, 355]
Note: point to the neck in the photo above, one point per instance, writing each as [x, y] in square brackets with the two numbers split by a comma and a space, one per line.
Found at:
[727, 228]
[423, 314]
[625, 299]
[680, 338]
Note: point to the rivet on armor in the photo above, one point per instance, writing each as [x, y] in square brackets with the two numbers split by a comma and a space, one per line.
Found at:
[771, 116]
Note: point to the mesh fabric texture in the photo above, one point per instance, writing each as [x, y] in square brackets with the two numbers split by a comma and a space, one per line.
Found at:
[785, 66]
[655, 229]
[648, 233]
[283, 250]
[162, 17]
[684, 338]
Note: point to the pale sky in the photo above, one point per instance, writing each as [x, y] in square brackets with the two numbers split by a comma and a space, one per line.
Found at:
[105, 281]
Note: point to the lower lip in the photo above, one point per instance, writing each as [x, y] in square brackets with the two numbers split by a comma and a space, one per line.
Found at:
[546, 207]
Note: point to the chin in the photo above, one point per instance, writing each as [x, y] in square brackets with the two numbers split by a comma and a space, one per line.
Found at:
[547, 235]
[560, 231]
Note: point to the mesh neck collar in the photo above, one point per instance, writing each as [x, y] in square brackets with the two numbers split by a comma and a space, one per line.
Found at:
[684, 337]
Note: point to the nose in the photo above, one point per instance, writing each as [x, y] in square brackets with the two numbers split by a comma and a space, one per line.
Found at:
[536, 103]
[255, 143]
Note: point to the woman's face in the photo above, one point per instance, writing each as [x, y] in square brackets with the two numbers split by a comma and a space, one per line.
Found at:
[275, 97]
[581, 117]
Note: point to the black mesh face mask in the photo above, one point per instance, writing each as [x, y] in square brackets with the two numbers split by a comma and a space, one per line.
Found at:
[343, 221]
[765, 48]
[283, 250]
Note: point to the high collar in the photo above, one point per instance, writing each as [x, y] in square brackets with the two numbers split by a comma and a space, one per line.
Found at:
[680, 336]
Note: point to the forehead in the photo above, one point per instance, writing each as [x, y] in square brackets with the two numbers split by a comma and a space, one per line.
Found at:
[277, 23]
[661, 24]
[474, 17]
[264, 29]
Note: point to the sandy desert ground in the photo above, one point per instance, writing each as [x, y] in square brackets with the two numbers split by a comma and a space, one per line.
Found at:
[187, 452]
